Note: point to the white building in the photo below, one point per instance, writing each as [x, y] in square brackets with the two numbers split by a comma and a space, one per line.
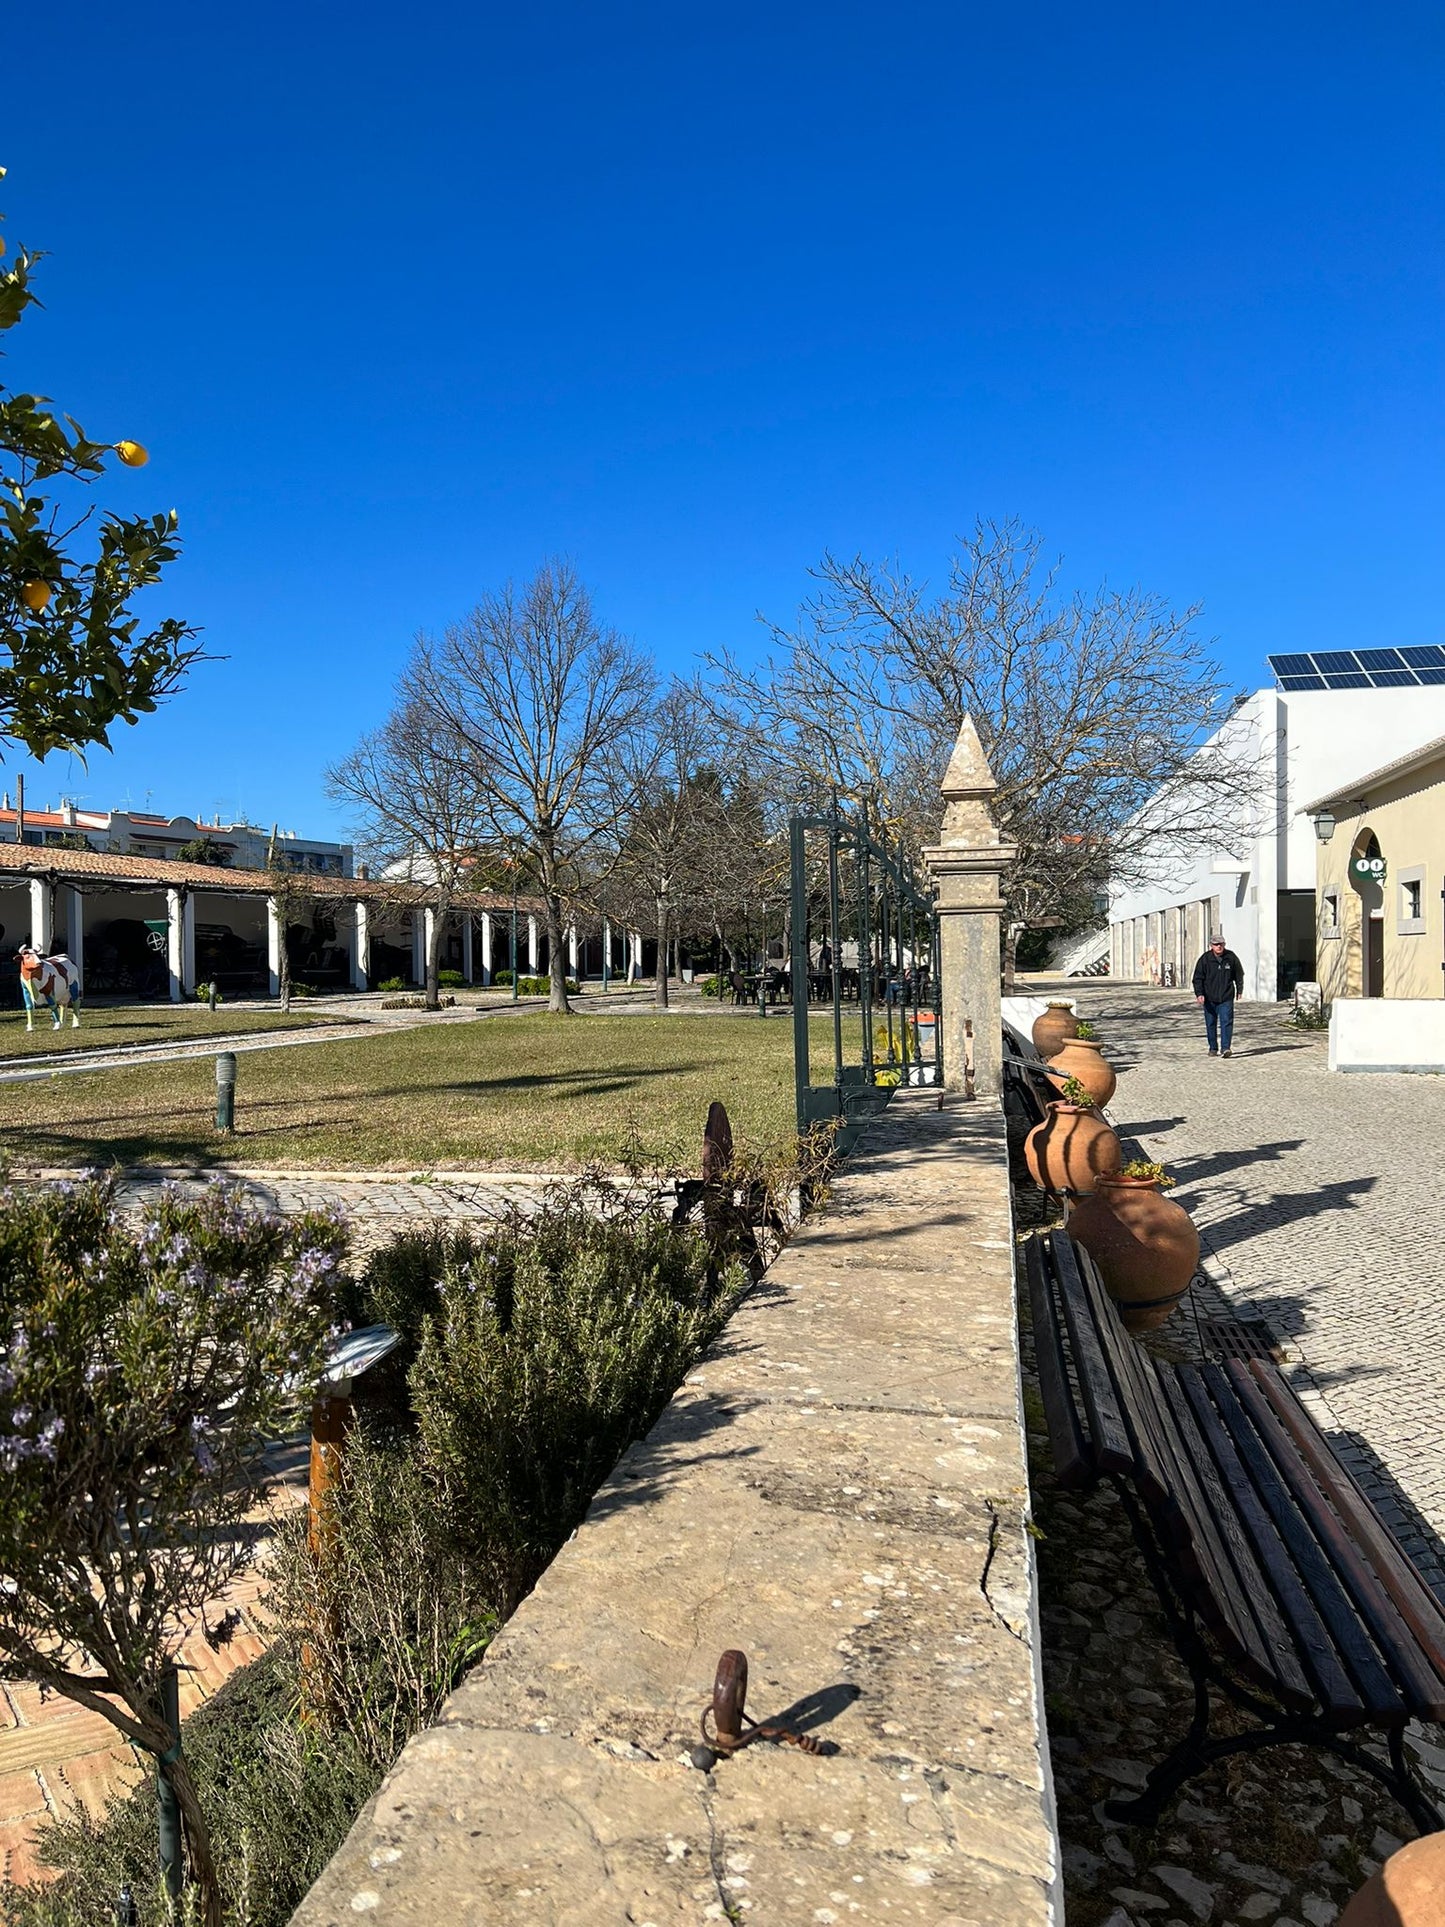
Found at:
[1330, 717]
[244, 846]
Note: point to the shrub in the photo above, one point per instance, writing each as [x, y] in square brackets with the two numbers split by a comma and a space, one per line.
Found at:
[451, 980]
[501, 980]
[530, 986]
[280, 1796]
[391, 1610]
[401, 1285]
[556, 1346]
[711, 986]
[144, 1366]
[393, 983]
[1309, 1017]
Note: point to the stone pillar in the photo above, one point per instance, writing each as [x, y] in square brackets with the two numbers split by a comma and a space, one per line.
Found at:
[572, 951]
[532, 946]
[634, 969]
[75, 931]
[606, 948]
[467, 945]
[486, 946]
[361, 949]
[42, 923]
[420, 920]
[275, 936]
[966, 865]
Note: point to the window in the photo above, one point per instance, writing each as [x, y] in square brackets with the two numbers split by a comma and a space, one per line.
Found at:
[1410, 910]
[1330, 914]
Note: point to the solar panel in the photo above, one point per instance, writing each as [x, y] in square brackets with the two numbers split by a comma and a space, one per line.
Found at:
[1361, 668]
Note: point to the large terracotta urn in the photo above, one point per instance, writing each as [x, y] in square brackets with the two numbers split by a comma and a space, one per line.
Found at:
[1052, 1026]
[1069, 1150]
[1081, 1057]
[1144, 1244]
[1406, 1892]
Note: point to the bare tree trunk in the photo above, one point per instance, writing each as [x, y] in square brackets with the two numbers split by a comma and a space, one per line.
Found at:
[556, 954]
[283, 962]
[198, 1840]
[433, 953]
[660, 995]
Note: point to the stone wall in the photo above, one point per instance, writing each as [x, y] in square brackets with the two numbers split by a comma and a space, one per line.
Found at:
[840, 1490]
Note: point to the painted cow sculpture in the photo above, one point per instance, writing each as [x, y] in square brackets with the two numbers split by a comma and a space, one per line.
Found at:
[49, 983]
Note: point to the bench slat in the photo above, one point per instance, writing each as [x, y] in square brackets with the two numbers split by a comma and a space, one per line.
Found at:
[1417, 1605]
[1112, 1449]
[1166, 1478]
[1401, 1652]
[1382, 1698]
[1066, 1435]
[1264, 1557]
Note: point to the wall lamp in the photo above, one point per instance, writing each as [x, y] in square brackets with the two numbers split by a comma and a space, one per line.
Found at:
[1324, 825]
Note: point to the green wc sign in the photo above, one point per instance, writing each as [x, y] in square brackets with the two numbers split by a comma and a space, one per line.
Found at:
[1366, 869]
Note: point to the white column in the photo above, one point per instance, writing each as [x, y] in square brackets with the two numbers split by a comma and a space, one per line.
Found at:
[532, 945]
[418, 945]
[176, 942]
[607, 947]
[273, 946]
[634, 975]
[361, 948]
[486, 946]
[42, 934]
[571, 950]
[467, 945]
[428, 928]
[75, 931]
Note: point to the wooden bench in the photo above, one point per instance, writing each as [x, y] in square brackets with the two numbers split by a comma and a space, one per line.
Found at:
[1284, 1588]
[1026, 1078]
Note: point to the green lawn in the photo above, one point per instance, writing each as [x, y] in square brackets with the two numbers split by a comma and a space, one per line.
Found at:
[524, 1092]
[141, 1024]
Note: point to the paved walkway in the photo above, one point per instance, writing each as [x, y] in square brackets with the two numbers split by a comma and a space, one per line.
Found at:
[1318, 1199]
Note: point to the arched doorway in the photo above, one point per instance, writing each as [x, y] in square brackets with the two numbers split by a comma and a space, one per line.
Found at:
[1367, 872]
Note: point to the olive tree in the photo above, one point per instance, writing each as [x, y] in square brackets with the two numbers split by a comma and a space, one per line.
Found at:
[144, 1367]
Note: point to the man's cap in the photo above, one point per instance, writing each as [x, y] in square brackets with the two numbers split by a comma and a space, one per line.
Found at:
[1216, 936]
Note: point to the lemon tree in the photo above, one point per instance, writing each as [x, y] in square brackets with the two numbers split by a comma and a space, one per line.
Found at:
[74, 659]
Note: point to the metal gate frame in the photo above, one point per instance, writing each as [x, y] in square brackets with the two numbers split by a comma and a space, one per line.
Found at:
[887, 882]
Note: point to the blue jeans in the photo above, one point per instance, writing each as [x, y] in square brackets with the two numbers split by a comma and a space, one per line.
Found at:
[1219, 1023]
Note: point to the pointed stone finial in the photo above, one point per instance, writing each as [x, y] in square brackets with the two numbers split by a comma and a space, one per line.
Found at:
[968, 773]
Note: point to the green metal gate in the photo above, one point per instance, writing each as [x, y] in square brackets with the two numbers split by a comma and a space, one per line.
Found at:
[853, 889]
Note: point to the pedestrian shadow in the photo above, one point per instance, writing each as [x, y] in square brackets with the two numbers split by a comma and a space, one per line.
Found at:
[1284, 1208]
[1195, 1170]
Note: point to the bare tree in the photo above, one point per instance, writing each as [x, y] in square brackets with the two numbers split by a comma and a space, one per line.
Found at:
[420, 810]
[1103, 716]
[662, 794]
[540, 698]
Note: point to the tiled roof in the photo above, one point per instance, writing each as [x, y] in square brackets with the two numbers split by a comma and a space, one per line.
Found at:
[88, 866]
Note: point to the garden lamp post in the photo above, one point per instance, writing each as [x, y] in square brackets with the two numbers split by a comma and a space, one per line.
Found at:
[226, 1091]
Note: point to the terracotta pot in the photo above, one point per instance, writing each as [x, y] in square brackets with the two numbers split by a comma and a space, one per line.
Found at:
[1406, 1891]
[1082, 1058]
[1144, 1244]
[1070, 1148]
[1051, 1027]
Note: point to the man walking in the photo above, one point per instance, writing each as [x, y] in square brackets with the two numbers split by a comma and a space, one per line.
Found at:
[1218, 980]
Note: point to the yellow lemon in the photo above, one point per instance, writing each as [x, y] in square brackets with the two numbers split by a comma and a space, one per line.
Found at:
[132, 454]
[35, 595]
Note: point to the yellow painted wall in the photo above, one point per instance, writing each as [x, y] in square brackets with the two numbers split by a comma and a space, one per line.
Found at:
[1407, 817]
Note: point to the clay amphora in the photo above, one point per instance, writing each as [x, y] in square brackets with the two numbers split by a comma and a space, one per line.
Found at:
[1407, 1890]
[1051, 1027]
[1082, 1058]
[1144, 1244]
[1070, 1148]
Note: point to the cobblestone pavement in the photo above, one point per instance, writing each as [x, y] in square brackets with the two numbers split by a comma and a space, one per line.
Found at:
[1318, 1200]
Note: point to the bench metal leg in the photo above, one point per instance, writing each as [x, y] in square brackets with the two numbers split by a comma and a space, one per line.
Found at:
[1197, 1750]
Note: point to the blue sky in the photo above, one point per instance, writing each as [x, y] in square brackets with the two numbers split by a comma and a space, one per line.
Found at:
[403, 300]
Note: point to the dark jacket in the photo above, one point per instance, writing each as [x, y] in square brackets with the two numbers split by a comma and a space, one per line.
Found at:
[1218, 979]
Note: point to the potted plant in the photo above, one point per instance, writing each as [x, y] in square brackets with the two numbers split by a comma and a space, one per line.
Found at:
[1073, 1145]
[1145, 1245]
[1052, 1026]
[1083, 1058]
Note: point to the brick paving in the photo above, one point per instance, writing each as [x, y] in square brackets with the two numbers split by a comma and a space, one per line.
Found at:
[1318, 1201]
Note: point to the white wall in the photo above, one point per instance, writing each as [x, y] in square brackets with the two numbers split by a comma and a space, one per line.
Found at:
[1387, 1034]
[1306, 744]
